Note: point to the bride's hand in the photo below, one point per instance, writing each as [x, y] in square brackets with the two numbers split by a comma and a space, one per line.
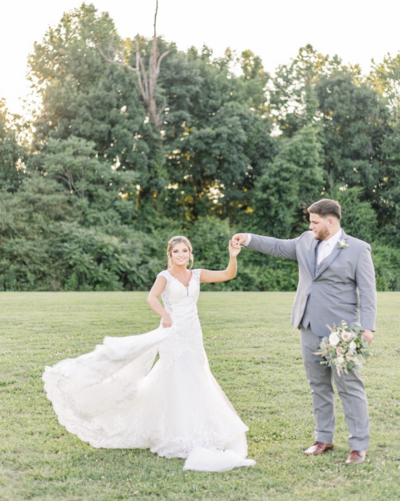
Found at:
[166, 320]
[233, 249]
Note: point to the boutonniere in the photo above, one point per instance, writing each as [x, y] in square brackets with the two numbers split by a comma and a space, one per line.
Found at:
[342, 244]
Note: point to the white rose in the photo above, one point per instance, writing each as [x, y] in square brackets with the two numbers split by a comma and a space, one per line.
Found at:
[347, 336]
[352, 346]
[334, 338]
[340, 360]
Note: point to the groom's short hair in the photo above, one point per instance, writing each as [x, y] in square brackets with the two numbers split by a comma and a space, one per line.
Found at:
[326, 208]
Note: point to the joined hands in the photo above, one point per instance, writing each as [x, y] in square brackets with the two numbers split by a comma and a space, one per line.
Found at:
[234, 248]
[238, 240]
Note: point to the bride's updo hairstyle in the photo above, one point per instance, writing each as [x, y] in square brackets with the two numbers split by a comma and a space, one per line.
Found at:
[179, 240]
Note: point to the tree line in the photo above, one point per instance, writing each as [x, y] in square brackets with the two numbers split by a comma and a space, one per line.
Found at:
[103, 174]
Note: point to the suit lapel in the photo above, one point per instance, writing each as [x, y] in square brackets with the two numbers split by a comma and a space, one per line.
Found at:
[332, 256]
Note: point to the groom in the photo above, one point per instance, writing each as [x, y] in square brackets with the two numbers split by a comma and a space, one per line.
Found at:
[336, 282]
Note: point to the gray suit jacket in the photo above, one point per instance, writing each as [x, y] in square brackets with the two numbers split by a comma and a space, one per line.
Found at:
[342, 287]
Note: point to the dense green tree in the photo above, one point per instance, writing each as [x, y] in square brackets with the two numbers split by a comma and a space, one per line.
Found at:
[388, 192]
[93, 259]
[293, 99]
[85, 96]
[218, 142]
[103, 193]
[291, 183]
[385, 77]
[30, 230]
[256, 81]
[213, 162]
[12, 154]
[354, 124]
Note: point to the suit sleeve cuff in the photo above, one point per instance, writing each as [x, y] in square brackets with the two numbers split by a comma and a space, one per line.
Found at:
[248, 240]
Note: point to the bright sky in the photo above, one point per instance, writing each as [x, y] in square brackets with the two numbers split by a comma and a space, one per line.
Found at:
[356, 30]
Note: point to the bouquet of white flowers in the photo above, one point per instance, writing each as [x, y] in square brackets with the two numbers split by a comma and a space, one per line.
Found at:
[346, 349]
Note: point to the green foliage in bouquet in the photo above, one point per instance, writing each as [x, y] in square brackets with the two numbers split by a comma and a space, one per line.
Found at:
[346, 349]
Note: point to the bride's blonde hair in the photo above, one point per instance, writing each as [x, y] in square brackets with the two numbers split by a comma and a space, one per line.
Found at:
[179, 240]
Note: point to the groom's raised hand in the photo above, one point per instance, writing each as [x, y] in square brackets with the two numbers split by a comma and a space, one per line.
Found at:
[239, 239]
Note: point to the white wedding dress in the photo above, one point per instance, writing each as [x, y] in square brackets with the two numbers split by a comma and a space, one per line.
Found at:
[116, 397]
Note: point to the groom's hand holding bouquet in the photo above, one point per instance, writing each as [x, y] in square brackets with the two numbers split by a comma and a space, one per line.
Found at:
[346, 349]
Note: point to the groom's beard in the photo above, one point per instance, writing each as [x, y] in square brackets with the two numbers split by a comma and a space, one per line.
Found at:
[322, 234]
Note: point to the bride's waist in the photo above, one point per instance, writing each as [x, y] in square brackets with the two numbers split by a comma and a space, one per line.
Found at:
[180, 342]
[183, 313]
[185, 324]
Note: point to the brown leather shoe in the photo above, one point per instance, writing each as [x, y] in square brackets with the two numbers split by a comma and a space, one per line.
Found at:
[356, 457]
[318, 448]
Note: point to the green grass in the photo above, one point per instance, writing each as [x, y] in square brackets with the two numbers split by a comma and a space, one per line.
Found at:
[254, 353]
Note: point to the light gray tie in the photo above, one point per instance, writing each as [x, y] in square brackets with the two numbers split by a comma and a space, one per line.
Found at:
[322, 250]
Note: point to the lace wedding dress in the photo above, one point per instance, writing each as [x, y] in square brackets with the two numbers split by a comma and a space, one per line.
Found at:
[114, 397]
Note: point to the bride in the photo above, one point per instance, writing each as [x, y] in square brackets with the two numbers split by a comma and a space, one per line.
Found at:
[116, 397]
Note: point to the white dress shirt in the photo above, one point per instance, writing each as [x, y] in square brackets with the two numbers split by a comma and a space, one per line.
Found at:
[326, 246]
[324, 249]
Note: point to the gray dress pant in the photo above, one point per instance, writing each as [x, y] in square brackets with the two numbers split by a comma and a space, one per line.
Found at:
[351, 391]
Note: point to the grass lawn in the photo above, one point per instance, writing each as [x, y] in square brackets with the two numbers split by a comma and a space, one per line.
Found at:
[254, 353]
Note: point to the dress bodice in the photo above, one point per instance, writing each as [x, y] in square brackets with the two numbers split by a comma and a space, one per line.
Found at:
[177, 298]
[181, 303]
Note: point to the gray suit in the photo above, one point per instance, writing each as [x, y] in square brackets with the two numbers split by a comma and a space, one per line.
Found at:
[341, 287]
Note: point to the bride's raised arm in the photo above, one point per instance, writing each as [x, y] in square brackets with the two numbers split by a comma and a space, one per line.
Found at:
[210, 276]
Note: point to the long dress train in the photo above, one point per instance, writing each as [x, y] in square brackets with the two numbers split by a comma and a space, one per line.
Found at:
[114, 397]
